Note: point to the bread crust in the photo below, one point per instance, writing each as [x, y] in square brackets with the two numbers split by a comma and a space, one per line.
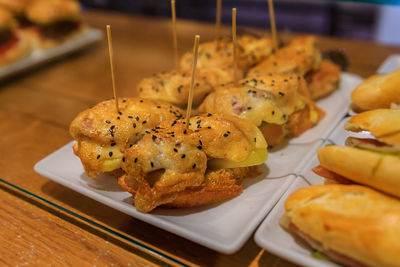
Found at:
[382, 123]
[366, 167]
[349, 219]
[378, 91]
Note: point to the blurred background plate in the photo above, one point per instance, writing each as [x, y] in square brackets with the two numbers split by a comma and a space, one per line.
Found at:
[43, 56]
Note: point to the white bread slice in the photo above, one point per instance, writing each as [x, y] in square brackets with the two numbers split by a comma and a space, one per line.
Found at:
[377, 170]
[378, 91]
[352, 220]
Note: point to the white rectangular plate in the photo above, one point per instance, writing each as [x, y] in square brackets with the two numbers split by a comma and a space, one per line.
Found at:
[224, 226]
[38, 57]
[390, 64]
[271, 236]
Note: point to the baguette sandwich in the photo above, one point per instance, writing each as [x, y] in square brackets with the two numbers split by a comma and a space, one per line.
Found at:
[351, 224]
[371, 162]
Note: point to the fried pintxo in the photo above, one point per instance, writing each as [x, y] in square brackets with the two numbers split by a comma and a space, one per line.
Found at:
[278, 104]
[185, 167]
[102, 134]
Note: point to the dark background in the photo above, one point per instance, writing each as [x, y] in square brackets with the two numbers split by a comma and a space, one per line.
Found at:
[334, 18]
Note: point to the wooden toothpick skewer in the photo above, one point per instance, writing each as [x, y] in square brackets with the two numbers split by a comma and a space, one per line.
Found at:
[234, 40]
[110, 52]
[190, 98]
[273, 26]
[174, 33]
[218, 22]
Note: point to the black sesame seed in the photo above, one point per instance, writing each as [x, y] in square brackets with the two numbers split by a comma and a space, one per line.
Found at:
[248, 108]
[108, 122]
[98, 156]
[123, 159]
[174, 123]
[118, 118]
[173, 135]
[199, 147]
[147, 132]
[208, 127]
[255, 139]
[153, 137]
[209, 115]
[201, 143]
[194, 165]
[137, 118]
[119, 112]
[130, 145]
[144, 122]
[124, 100]
[141, 101]
[226, 135]
[285, 80]
[130, 117]
[281, 93]
[110, 154]
[273, 112]
[228, 132]
[158, 106]
[183, 156]
[151, 164]
[176, 150]
[184, 131]
[113, 144]
[135, 160]
[199, 121]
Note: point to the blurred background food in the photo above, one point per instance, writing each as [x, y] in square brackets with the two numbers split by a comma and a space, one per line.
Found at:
[348, 19]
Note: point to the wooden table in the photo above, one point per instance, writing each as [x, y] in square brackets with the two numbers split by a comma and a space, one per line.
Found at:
[35, 111]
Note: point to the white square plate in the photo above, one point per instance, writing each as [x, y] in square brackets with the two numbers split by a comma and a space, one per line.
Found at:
[38, 57]
[225, 226]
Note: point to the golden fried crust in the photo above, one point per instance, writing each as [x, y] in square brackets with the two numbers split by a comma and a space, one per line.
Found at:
[363, 166]
[218, 185]
[299, 122]
[300, 56]
[384, 124]
[270, 99]
[49, 11]
[352, 220]
[6, 19]
[15, 6]
[378, 91]
[20, 50]
[251, 50]
[324, 80]
[102, 134]
[172, 158]
[174, 86]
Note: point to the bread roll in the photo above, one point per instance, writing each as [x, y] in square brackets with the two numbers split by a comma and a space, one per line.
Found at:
[378, 91]
[384, 124]
[352, 221]
[381, 171]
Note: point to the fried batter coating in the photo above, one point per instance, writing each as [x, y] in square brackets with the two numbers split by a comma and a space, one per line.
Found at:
[300, 57]
[102, 134]
[172, 159]
[324, 80]
[272, 102]
[251, 50]
[174, 86]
